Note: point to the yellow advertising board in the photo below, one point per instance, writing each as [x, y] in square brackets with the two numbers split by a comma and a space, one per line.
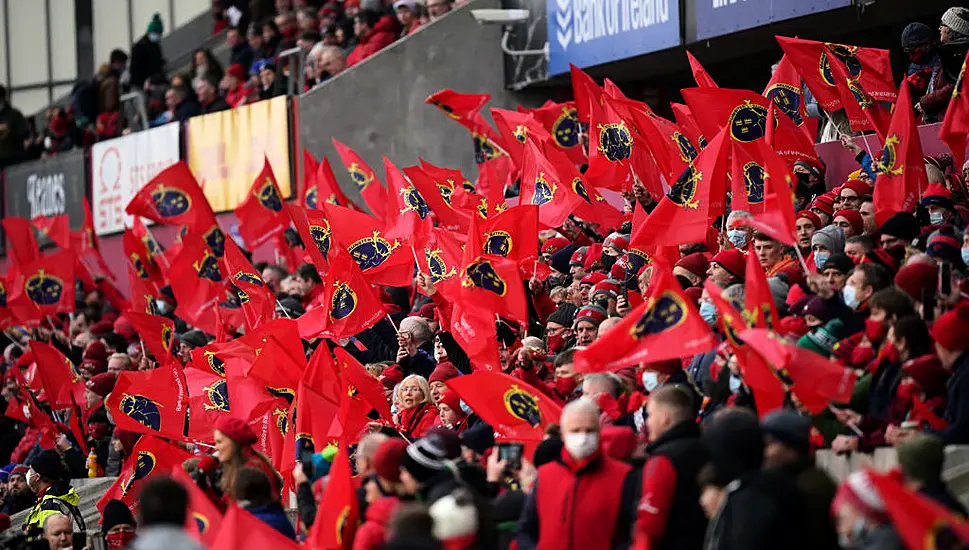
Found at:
[226, 150]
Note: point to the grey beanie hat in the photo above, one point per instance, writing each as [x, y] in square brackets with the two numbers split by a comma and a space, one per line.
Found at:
[957, 19]
[830, 237]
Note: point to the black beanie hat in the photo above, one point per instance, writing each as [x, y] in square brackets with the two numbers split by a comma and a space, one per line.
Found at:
[424, 458]
[48, 465]
[902, 226]
[549, 450]
[560, 260]
[479, 438]
[116, 513]
[564, 315]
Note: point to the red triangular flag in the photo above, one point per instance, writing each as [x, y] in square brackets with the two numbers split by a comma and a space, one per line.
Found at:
[955, 125]
[23, 243]
[542, 186]
[349, 302]
[504, 401]
[240, 529]
[920, 521]
[365, 179]
[173, 197]
[702, 77]
[55, 228]
[336, 523]
[901, 168]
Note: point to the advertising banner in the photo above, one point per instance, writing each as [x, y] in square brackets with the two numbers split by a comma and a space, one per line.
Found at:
[592, 32]
[48, 187]
[719, 17]
[120, 167]
[226, 150]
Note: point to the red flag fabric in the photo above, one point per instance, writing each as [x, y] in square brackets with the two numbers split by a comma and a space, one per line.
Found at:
[196, 279]
[173, 197]
[955, 125]
[314, 230]
[586, 93]
[408, 215]
[150, 402]
[684, 118]
[62, 381]
[203, 520]
[362, 382]
[870, 67]
[924, 414]
[777, 218]
[336, 523]
[153, 250]
[759, 305]
[439, 256]
[561, 120]
[863, 111]
[150, 457]
[55, 228]
[491, 282]
[668, 143]
[511, 234]
[349, 302]
[437, 188]
[920, 521]
[140, 263]
[683, 215]
[208, 399]
[504, 401]
[517, 131]
[544, 187]
[784, 89]
[262, 215]
[475, 331]
[85, 241]
[816, 381]
[23, 243]
[611, 143]
[665, 326]
[901, 168]
[240, 529]
[256, 299]
[43, 287]
[365, 180]
[381, 257]
[702, 77]
[157, 333]
[321, 375]
[458, 106]
[594, 208]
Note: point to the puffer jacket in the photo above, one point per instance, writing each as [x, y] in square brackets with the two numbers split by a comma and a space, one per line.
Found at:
[373, 533]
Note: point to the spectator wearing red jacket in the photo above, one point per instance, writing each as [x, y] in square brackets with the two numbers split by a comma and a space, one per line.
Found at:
[234, 83]
[374, 33]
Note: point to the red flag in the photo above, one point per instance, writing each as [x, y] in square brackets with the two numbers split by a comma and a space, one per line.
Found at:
[436, 186]
[349, 302]
[362, 382]
[325, 187]
[518, 130]
[203, 520]
[702, 77]
[256, 299]
[261, 215]
[955, 125]
[365, 180]
[458, 106]
[85, 241]
[491, 282]
[586, 93]
[173, 197]
[594, 208]
[921, 522]
[542, 186]
[561, 120]
[314, 230]
[196, 279]
[157, 333]
[43, 287]
[816, 381]
[869, 67]
[62, 381]
[140, 263]
[784, 89]
[611, 143]
[683, 215]
[408, 215]
[142, 298]
[505, 402]
[381, 257]
[240, 529]
[863, 111]
[759, 307]
[511, 234]
[684, 117]
[5, 315]
[149, 458]
[922, 413]
[23, 243]
[665, 326]
[55, 228]
[208, 399]
[336, 523]
[901, 168]
[321, 375]
[669, 145]
[310, 195]
[777, 219]
[439, 256]
[150, 402]
[312, 415]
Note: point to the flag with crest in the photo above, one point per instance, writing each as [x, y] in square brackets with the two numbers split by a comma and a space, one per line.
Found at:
[365, 181]
[504, 401]
[383, 258]
[349, 302]
[408, 215]
[262, 215]
[150, 402]
[955, 125]
[544, 187]
[196, 279]
[901, 168]
[173, 197]
[151, 457]
[43, 287]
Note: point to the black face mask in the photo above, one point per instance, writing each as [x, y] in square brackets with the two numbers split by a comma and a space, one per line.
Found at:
[684, 282]
[555, 281]
[608, 262]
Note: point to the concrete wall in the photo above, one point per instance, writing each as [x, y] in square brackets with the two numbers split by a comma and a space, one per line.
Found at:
[378, 107]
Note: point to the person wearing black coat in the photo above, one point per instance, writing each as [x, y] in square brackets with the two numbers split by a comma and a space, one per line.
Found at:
[146, 54]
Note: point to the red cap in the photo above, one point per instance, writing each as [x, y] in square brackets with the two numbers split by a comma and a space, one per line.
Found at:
[92, 366]
[915, 278]
[391, 376]
[824, 203]
[696, 263]
[593, 278]
[733, 260]
[96, 350]
[453, 401]
[812, 217]
[854, 218]
[858, 186]
[101, 384]
[386, 461]
[123, 327]
[238, 71]
[443, 372]
[578, 257]
[950, 330]
[693, 294]
[593, 258]
[554, 244]
[236, 430]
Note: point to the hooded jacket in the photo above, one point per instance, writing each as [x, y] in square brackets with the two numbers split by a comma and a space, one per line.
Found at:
[58, 499]
[373, 533]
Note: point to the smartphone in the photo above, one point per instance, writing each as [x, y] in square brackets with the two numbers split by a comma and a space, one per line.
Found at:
[306, 461]
[511, 453]
[945, 278]
[928, 304]
[623, 290]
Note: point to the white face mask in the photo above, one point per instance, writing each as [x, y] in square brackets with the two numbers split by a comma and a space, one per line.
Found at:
[31, 478]
[737, 237]
[650, 381]
[936, 218]
[581, 445]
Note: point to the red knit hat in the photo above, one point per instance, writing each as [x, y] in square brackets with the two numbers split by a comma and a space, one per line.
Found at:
[443, 372]
[811, 217]
[92, 366]
[696, 263]
[824, 203]
[593, 258]
[929, 373]
[593, 278]
[101, 384]
[236, 430]
[854, 218]
[238, 71]
[555, 244]
[609, 287]
[858, 491]
[617, 241]
[102, 327]
[693, 294]
[938, 194]
[391, 376]
[591, 313]
[453, 401]
[792, 326]
[386, 461]
[96, 350]
[123, 327]
[950, 330]
[733, 260]
[916, 278]
[858, 186]
[578, 257]
[618, 271]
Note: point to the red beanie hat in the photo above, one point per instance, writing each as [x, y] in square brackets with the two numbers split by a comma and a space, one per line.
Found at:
[443, 372]
[916, 278]
[854, 218]
[950, 330]
[793, 326]
[96, 350]
[391, 376]
[824, 203]
[733, 260]
[238, 71]
[593, 278]
[811, 217]
[578, 257]
[26, 359]
[453, 401]
[593, 259]
[857, 186]
[555, 244]
[386, 461]
[123, 327]
[102, 384]
[236, 430]
[693, 294]
[92, 366]
[102, 327]
[695, 263]
[618, 271]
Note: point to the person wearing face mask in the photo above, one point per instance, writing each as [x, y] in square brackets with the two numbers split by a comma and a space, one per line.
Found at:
[584, 499]
[944, 246]
[937, 202]
[861, 518]
[826, 241]
[739, 233]
[118, 525]
[670, 516]
[146, 54]
[811, 175]
[45, 477]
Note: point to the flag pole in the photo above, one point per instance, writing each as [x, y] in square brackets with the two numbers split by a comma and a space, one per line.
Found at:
[286, 313]
[414, 251]
[800, 258]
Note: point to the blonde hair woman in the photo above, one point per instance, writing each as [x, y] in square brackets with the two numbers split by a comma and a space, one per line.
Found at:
[416, 412]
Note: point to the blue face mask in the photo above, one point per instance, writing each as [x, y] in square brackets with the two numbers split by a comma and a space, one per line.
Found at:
[650, 381]
[708, 312]
[737, 237]
[465, 407]
[936, 218]
[850, 296]
[820, 257]
[965, 255]
[735, 383]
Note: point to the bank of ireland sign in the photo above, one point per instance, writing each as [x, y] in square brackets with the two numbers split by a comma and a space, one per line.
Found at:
[591, 32]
